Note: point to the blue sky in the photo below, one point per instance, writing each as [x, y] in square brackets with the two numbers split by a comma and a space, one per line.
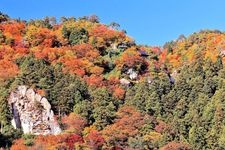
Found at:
[151, 22]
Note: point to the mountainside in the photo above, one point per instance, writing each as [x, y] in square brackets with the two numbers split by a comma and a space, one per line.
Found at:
[106, 91]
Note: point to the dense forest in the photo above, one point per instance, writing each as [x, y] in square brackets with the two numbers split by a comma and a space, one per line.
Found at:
[108, 92]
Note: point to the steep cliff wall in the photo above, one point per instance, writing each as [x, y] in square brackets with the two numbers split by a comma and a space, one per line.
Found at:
[32, 112]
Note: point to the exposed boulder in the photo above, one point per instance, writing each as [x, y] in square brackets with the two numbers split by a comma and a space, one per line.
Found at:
[149, 80]
[174, 74]
[132, 74]
[32, 112]
[124, 82]
[222, 53]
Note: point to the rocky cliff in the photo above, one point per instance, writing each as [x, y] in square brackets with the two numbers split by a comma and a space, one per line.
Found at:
[32, 112]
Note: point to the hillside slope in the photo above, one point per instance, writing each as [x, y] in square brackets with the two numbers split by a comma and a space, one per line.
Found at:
[108, 92]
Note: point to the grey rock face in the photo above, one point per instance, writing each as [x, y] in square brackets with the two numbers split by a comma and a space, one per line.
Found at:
[32, 112]
[132, 74]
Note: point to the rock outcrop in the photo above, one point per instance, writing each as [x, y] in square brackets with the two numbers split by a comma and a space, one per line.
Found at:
[133, 75]
[32, 112]
[124, 82]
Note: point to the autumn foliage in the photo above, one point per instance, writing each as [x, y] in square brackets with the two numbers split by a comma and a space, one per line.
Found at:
[73, 123]
[108, 92]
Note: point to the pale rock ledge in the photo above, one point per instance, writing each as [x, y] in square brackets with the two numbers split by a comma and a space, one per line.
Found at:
[32, 112]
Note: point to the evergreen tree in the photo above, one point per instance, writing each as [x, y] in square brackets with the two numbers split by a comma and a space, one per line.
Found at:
[78, 36]
[5, 115]
[103, 107]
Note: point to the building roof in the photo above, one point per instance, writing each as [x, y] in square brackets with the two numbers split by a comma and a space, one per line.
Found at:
[143, 53]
